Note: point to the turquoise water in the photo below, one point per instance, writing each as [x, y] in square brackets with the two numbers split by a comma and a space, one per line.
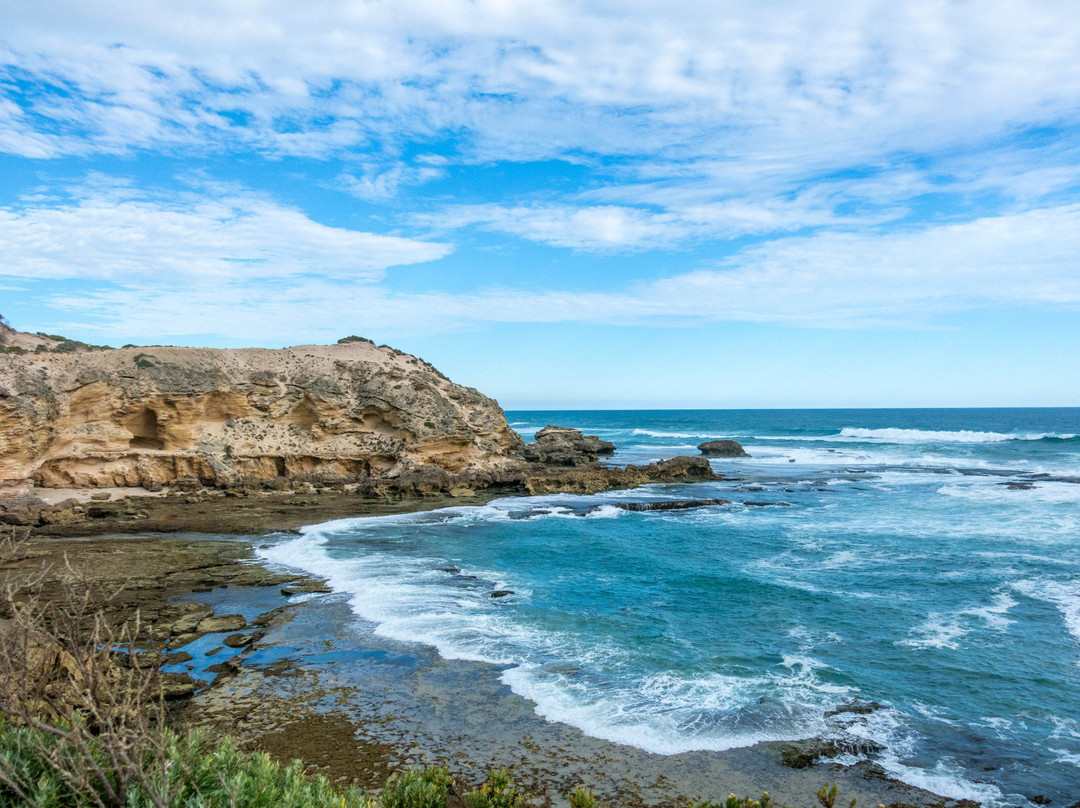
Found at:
[927, 560]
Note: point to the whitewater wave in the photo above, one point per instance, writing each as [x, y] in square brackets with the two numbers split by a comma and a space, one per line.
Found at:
[668, 713]
[939, 436]
[1064, 595]
[1040, 493]
[660, 433]
[579, 681]
[889, 728]
[945, 629]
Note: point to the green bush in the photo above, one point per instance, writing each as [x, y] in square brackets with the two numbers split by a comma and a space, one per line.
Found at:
[220, 775]
[734, 802]
[354, 338]
[582, 798]
[827, 796]
[417, 788]
[498, 791]
[75, 345]
[196, 772]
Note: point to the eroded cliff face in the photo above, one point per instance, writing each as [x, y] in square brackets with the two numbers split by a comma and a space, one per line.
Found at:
[154, 416]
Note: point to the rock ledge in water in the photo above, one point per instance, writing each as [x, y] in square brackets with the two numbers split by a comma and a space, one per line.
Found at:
[564, 446]
[670, 505]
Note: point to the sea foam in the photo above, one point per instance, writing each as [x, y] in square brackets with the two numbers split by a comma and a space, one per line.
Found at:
[940, 436]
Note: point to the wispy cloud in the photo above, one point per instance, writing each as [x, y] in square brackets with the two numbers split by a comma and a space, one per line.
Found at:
[783, 83]
[111, 232]
[906, 279]
[376, 183]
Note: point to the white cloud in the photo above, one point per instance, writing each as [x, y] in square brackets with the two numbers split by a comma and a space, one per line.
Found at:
[597, 228]
[689, 122]
[685, 218]
[376, 184]
[786, 82]
[110, 232]
[829, 280]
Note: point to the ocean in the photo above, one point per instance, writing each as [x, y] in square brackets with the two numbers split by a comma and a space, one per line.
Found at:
[917, 570]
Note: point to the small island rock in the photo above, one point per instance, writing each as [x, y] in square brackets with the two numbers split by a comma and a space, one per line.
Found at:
[564, 446]
[722, 448]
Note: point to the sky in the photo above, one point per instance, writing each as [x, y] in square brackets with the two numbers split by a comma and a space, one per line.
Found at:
[564, 204]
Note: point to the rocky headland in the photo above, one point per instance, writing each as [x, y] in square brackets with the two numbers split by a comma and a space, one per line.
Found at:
[95, 439]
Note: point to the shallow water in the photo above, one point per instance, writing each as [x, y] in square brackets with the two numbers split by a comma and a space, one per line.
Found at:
[926, 560]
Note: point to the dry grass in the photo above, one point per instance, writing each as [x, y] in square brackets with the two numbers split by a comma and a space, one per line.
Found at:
[84, 686]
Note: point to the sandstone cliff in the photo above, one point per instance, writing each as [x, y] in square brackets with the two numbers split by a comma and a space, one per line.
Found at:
[154, 416]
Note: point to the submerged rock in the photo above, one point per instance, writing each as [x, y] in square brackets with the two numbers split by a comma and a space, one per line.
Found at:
[225, 622]
[670, 505]
[803, 754]
[857, 707]
[306, 588]
[722, 448]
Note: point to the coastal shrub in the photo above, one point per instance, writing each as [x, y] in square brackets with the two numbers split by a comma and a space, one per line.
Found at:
[826, 797]
[582, 798]
[192, 772]
[73, 345]
[81, 702]
[765, 801]
[417, 788]
[354, 338]
[213, 775]
[498, 791]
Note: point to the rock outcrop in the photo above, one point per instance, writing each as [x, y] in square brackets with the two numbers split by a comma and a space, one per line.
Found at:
[309, 429]
[563, 446]
[198, 417]
[722, 448]
[593, 479]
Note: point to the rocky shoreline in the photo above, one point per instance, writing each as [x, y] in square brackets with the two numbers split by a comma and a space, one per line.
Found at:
[96, 440]
[127, 445]
[283, 505]
[279, 662]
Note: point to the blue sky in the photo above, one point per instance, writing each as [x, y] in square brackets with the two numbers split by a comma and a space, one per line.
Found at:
[588, 204]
